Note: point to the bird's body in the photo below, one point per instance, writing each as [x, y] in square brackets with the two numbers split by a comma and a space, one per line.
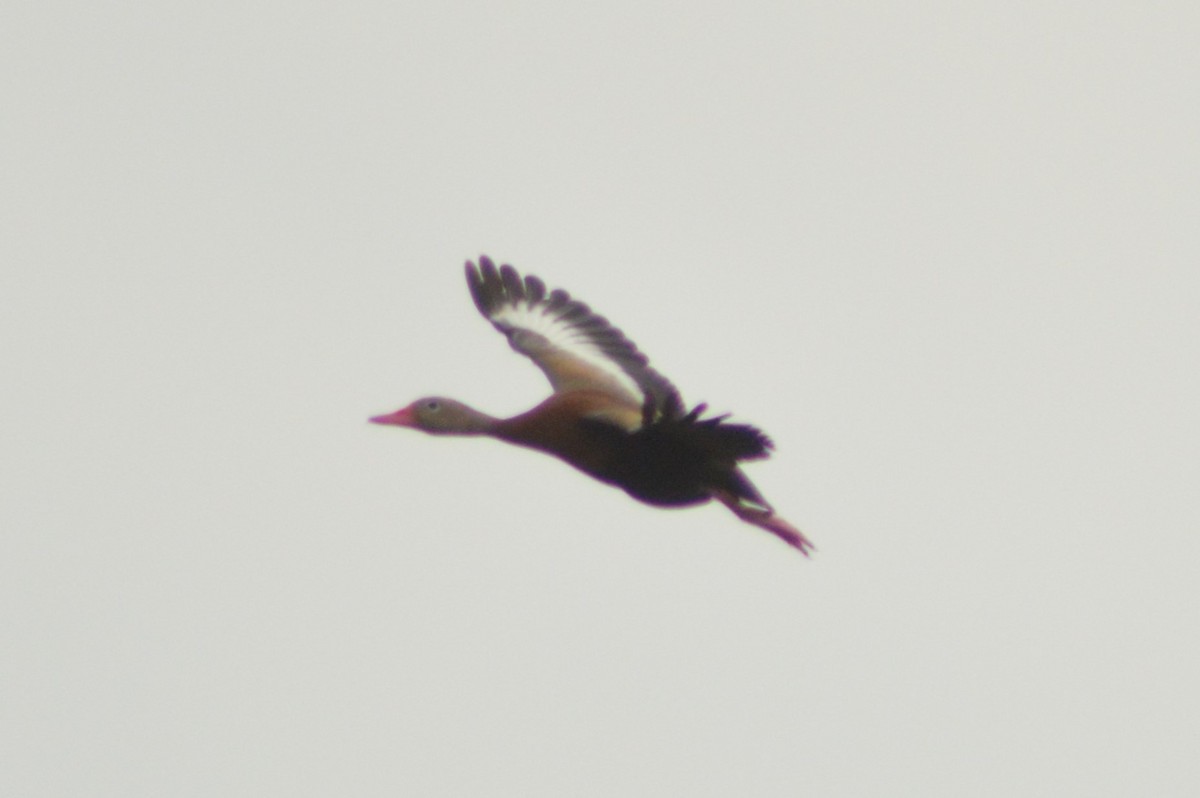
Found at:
[611, 415]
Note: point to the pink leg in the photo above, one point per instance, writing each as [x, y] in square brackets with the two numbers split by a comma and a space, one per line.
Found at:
[765, 518]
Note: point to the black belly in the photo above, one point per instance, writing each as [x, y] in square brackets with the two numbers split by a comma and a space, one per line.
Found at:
[666, 470]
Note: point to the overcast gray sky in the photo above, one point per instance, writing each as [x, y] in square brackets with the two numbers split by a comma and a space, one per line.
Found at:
[945, 254]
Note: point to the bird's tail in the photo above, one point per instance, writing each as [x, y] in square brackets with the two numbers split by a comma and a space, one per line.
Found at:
[714, 438]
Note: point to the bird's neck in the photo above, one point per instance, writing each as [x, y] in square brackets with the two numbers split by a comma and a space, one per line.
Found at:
[479, 423]
[465, 421]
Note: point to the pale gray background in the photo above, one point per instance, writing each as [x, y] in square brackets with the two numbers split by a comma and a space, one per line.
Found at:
[944, 253]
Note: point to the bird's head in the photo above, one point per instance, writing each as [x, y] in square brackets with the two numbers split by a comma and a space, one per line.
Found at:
[438, 416]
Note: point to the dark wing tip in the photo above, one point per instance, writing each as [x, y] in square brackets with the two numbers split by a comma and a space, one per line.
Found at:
[487, 285]
[514, 287]
[535, 289]
[493, 288]
[475, 283]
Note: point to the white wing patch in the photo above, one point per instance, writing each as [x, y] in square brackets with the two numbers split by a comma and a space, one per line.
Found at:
[534, 332]
[576, 348]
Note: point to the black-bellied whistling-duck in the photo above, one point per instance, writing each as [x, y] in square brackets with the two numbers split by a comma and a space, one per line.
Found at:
[611, 415]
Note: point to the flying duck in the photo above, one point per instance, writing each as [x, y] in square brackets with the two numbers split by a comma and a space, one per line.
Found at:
[611, 415]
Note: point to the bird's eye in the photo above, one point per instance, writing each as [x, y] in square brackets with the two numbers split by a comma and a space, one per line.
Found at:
[432, 405]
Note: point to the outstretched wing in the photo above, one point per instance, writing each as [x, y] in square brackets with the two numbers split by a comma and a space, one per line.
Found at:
[576, 348]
